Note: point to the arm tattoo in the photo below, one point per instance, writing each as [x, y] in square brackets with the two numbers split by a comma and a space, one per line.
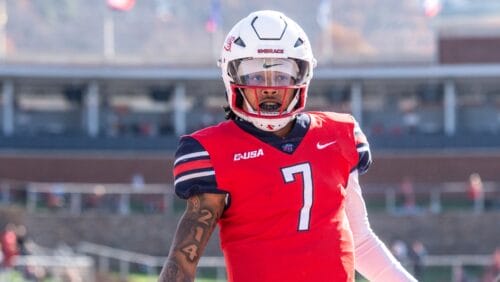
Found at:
[171, 273]
[194, 230]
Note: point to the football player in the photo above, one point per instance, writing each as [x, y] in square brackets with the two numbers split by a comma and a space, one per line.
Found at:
[282, 184]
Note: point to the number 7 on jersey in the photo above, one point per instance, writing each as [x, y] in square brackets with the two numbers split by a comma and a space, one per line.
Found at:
[307, 186]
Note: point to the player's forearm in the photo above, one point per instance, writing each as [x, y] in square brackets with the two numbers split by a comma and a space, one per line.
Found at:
[185, 251]
[173, 272]
[181, 265]
[192, 235]
[376, 262]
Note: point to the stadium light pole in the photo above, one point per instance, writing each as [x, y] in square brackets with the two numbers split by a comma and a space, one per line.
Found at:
[109, 35]
[3, 29]
[109, 24]
[450, 103]
[8, 107]
[324, 19]
[180, 109]
[92, 109]
[356, 101]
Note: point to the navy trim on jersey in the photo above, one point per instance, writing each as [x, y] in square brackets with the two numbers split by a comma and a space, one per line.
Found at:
[363, 149]
[187, 145]
[288, 144]
[197, 186]
[365, 158]
[193, 181]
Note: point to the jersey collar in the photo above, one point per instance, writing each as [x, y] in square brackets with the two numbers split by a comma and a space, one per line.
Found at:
[287, 144]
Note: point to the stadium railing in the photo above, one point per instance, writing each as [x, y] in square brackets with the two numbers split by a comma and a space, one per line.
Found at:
[152, 263]
[455, 263]
[432, 198]
[57, 267]
[78, 198]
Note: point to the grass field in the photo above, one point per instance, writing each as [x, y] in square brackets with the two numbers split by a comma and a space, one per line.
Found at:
[431, 274]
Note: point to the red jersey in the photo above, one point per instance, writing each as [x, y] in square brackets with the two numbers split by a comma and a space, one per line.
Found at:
[285, 219]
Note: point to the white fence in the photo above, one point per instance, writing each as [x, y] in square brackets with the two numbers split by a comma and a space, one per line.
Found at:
[455, 262]
[152, 263]
[53, 267]
[431, 197]
[62, 268]
[77, 198]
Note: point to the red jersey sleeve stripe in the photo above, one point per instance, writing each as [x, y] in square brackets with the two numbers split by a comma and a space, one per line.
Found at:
[192, 165]
[191, 156]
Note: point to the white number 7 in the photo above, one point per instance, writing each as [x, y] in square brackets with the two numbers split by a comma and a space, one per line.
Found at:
[305, 211]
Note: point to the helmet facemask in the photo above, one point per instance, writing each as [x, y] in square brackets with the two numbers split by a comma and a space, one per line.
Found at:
[267, 92]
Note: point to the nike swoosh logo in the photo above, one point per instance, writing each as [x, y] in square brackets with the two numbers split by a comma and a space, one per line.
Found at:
[322, 146]
[266, 66]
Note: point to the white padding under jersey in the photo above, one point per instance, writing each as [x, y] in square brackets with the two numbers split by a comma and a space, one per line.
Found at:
[372, 258]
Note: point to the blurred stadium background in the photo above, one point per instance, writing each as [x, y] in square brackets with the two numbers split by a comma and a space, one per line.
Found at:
[94, 95]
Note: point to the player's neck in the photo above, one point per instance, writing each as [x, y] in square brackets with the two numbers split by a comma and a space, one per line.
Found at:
[285, 130]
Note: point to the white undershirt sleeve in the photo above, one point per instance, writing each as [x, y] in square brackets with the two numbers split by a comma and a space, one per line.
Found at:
[372, 258]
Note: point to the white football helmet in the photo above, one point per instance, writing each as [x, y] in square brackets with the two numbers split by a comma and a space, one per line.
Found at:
[267, 51]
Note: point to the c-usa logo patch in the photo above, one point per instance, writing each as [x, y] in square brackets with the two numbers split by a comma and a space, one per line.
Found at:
[287, 147]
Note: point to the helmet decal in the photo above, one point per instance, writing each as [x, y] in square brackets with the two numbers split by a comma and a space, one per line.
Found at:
[229, 43]
[265, 33]
[273, 51]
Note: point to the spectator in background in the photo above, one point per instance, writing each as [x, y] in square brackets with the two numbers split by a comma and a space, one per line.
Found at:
[25, 246]
[400, 250]
[55, 199]
[417, 255]
[409, 202]
[71, 275]
[492, 273]
[475, 192]
[137, 181]
[411, 120]
[9, 245]
[21, 234]
[1, 255]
